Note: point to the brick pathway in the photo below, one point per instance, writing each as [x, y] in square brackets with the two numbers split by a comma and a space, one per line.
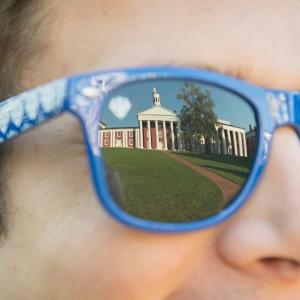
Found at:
[227, 187]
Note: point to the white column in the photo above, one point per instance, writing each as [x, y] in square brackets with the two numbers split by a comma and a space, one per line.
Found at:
[235, 144]
[137, 138]
[230, 142]
[219, 150]
[149, 136]
[114, 138]
[141, 135]
[245, 145]
[179, 141]
[165, 135]
[123, 137]
[240, 144]
[156, 133]
[172, 136]
[224, 144]
[100, 135]
[111, 138]
[126, 138]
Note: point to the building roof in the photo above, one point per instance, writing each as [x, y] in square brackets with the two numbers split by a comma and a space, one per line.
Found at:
[157, 110]
[120, 128]
[158, 113]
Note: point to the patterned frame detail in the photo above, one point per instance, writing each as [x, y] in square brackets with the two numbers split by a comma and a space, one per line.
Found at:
[88, 94]
[30, 108]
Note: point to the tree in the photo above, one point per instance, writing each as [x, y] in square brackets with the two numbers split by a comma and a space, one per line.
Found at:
[197, 116]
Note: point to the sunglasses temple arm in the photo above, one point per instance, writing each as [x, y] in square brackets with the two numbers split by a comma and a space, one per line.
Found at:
[30, 108]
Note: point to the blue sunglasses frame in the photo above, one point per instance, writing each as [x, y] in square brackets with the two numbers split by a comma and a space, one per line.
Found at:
[84, 94]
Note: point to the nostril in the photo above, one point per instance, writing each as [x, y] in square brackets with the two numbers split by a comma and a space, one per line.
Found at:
[282, 267]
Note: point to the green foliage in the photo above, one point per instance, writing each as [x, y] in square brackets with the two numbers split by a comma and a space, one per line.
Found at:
[197, 115]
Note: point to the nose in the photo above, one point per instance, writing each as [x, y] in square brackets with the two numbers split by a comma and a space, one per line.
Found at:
[264, 237]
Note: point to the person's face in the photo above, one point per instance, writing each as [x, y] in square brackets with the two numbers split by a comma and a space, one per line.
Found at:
[62, 245]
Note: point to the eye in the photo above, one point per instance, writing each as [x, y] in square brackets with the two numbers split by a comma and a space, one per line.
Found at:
[174, 150]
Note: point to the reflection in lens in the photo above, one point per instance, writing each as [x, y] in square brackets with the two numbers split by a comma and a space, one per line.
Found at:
[176, 151]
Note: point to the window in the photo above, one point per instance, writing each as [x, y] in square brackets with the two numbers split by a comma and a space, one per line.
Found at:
[106, 142]
[130, 133]
[131, 142]
[106, 134]
[119, 133]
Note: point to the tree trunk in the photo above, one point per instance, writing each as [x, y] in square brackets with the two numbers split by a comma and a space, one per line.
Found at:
[207, 146]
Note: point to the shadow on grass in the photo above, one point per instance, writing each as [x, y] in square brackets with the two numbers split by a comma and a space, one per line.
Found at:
[245, 162]
[231, 171]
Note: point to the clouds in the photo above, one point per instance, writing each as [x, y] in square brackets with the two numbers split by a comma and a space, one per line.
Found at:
[120, 106]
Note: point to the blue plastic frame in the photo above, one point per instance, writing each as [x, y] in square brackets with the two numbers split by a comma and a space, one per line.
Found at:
[84, 94]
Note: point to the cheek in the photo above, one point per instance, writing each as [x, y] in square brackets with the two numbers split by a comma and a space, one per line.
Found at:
[81, 252]
[104, 259]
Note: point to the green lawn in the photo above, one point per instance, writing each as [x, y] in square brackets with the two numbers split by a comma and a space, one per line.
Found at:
[236, 169]
[157, 187]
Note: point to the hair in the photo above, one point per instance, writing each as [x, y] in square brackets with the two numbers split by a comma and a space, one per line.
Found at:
[19, 39]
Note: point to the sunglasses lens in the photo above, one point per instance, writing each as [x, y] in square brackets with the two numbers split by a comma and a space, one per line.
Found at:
[175, 150]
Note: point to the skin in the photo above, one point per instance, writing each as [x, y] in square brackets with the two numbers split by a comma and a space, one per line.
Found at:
[63, 245]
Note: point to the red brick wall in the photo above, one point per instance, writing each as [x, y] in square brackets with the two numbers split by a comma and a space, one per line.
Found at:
[130, 139]
[145, 129]
[153, 138]
[118, 136]
[105, 137]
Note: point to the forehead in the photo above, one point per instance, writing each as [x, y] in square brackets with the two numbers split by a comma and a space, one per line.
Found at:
[256, 40]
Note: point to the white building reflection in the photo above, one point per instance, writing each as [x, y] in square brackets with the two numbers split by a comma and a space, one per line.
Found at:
[159, 129]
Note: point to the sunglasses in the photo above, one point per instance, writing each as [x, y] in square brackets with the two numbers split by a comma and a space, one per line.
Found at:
[169, 149]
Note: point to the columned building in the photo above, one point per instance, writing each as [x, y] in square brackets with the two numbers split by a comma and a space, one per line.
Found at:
[118, 137]
[159, 129]
[229, 140]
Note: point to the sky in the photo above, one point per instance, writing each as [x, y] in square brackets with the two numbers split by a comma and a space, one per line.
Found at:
[121, 108]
